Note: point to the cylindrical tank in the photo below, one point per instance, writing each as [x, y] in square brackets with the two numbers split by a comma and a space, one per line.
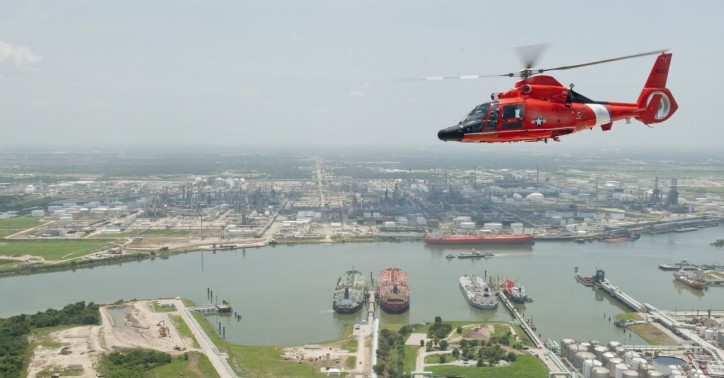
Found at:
[620, 368]
[571, 350]
[605, 356]
[580, 357]
[612, 365]
[586, 345]
[654, 374]
[600, 372]
[629, 356]
[594, 342]
[619, 350]
[636, 363]
[613, 344]
[664, 364]
[599, 350]
[630, 374]
[708, 334]
[721, 337]
[588, 365]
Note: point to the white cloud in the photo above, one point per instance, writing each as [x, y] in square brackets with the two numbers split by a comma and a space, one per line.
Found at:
[19, 57]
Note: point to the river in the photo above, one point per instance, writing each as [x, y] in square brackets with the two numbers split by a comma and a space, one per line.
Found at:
[284, 292]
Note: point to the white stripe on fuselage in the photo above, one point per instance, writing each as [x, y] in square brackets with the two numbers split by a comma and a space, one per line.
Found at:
[602, 115]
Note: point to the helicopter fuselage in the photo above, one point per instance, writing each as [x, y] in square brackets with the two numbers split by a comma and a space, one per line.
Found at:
[539, 108]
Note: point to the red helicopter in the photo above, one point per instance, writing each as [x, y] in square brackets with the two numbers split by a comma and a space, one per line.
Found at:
[539, 108]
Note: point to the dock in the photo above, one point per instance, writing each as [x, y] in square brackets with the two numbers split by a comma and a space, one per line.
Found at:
[617, 293]
[527, 328]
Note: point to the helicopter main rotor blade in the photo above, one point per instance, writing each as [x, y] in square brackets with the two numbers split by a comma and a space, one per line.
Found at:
[440, 78]
[530, 54]
[599, 61]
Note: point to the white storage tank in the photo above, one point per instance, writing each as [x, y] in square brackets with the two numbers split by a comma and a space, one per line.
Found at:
[606, 356]
[619, 350]
[721, 337]
[493, 226]
[654, 374]
[612, 363]
[630, 374]
[620, 368]
[636, 363]
[599, 350]
[588, 365]
[629, 356]
[600, 372]
[585, 345]
[580, 357]
[389, 224]
[467, 225]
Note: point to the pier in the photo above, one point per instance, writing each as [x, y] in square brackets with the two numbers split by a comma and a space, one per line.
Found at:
[617, 293]
[523, 323]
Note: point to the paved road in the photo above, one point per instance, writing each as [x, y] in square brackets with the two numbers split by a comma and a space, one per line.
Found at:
[207, 347]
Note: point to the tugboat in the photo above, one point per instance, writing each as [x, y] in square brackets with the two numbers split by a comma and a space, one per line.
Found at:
[475, 253]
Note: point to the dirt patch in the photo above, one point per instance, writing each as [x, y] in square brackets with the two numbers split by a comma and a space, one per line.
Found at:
[81, 347]
[479, 332]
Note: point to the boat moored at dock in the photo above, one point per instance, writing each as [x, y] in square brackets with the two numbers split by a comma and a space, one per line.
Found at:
[349, 294]
[694, 282]
[683, 265]
[394, 291]
[514, 292]
[502, 239]
[478, 293]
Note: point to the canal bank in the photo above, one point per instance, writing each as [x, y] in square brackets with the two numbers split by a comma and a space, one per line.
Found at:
[284, 292]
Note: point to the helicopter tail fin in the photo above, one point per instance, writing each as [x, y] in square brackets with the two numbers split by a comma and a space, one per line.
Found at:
[656, 101]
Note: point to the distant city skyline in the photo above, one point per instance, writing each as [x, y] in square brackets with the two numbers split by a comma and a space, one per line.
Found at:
[286, 73]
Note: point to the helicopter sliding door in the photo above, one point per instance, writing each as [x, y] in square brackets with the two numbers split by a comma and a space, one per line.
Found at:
[512, 117]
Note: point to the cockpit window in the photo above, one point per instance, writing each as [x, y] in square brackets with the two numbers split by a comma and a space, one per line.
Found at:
[478, 113]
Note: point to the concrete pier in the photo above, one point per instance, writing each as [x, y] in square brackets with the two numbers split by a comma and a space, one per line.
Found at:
[523, 323]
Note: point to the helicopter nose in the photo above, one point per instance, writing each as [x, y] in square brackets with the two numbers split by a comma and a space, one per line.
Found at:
[452, 133]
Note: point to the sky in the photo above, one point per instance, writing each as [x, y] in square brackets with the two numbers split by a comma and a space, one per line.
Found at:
[285, 73]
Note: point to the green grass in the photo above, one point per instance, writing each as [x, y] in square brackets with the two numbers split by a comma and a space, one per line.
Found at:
[179, 365]
[184, 330]
[350, 362]
[350, 345]
[157, 308]
[628, 316]
[165, 233]
[259, 361]
[410, 357]
[524, 339]
[19, 223]
[50, 249]
[525, 366]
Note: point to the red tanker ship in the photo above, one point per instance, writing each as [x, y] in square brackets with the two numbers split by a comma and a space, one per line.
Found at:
[393, 291]
[518, 239]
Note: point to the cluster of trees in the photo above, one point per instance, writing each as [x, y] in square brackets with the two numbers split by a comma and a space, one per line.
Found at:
[486, 354]
[439, 330]
[14, 332]
[391, 352]
[132, 363]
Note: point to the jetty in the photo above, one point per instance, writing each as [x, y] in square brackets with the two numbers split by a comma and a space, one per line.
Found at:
[612, 290]
[527, 328]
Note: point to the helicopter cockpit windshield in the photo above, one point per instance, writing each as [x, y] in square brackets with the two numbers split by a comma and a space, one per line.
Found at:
[477, 114]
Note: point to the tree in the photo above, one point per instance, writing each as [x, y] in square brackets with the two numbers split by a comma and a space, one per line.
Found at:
[438, 320]
[422, 343]
[443, 359]
[443, 344]
[379, 368]
[455, 352]
[459, 330]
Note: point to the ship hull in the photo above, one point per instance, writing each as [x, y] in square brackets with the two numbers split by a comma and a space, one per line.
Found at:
[481, 240]
[393, 291]
[349, 294]
[477, 293]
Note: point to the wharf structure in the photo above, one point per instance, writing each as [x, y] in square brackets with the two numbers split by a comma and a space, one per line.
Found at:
[709, 357]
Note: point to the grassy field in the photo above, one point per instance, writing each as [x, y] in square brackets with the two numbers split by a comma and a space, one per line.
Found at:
[10, 226]
[50, 249]
[652, 334]
[524, 367]
[182, 367]
[259, 361]
[183, 329]
[628, 316]
[177, 233]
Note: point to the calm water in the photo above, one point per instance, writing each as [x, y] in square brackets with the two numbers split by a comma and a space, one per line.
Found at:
[284, 292]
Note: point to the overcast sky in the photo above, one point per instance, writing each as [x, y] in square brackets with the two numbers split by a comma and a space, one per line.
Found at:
[324, 72]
